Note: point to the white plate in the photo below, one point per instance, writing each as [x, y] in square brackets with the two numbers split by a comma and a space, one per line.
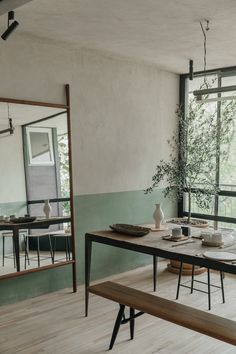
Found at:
[220, 256]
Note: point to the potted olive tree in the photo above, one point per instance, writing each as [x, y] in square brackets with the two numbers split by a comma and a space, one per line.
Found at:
[200, 140]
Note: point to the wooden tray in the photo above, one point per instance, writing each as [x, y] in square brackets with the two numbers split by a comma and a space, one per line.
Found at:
[131, 230]
[23, 219]
[175, 239]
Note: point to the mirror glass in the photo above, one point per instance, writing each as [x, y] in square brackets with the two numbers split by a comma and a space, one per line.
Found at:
[34, 187]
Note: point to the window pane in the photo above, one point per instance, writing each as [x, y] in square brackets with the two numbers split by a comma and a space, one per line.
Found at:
[227, 206]
[195, 208]
[40, 147]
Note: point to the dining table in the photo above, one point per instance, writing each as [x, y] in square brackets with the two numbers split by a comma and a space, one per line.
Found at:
[190, 251]
[18, 224]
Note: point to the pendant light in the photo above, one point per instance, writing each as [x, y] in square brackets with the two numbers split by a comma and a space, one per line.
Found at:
[209, 91]
[11, 26]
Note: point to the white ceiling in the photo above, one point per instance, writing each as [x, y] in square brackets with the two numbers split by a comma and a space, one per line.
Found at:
[8, 5]
[163, 32]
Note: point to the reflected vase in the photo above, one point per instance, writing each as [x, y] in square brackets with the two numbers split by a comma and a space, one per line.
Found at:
[158, 216]
[47, 209]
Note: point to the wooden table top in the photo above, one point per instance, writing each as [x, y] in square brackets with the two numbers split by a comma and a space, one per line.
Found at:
[9, 225]
[154, 241]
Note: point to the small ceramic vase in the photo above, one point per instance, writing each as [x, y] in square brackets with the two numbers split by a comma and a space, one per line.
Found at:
[47, 209]
[158, 216]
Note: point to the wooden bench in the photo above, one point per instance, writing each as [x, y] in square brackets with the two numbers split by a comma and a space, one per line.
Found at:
[191, 318]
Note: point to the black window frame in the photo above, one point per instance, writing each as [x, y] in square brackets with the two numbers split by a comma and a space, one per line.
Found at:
[183, 93]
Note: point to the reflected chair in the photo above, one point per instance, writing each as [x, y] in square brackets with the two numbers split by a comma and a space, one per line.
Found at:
[9, 234]
[39, 257]
[208, 283]
[66, 237]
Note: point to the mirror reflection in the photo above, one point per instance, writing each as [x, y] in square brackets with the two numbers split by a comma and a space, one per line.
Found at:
[34, 187]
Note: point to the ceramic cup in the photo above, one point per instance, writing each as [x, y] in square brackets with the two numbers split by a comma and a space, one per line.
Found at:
[176, 232]
[186, 231]
[217, 237]
[207, 236]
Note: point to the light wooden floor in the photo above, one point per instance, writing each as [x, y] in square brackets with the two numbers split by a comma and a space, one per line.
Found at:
[55, 323]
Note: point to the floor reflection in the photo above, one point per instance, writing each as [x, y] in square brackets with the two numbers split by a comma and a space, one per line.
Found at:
[31, 263]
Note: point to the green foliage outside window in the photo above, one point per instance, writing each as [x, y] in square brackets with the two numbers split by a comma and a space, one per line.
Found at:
[64, 171]
[202, 137]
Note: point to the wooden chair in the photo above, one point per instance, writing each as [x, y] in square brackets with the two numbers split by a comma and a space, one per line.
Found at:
[66, 237]
[9, 234]
[38, 237]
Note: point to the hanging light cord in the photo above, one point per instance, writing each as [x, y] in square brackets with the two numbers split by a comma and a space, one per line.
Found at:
[205, 49]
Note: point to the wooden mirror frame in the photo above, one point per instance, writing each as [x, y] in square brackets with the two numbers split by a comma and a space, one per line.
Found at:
[73, 261]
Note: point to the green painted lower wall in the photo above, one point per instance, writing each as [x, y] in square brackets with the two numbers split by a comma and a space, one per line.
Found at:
[97, 212]
[18, 208]
[93, 212]
[34, 284]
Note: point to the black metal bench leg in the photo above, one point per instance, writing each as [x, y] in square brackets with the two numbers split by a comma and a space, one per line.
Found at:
[14, 252]
[209, 288]
[179, 280]
[192, 280]
[131, 313]
[155, 260]
[117, 325]
[222, 286]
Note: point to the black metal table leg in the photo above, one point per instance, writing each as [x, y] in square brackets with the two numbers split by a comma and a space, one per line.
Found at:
[179, 280]
[209, 288]
[38, 251]
[192, 279]
[88, 252]
[117, 326]
[222, 286]
[3, 249]
[132, 313]
[155, 261]
[16, 247]
[51, 249]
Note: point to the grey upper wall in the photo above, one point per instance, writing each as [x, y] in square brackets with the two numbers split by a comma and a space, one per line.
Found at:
[122, 112]
[12, 176]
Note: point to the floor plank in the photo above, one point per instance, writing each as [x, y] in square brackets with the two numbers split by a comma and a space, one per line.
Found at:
[55, 323]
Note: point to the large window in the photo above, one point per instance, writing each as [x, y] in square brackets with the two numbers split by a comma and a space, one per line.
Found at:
[222, 209]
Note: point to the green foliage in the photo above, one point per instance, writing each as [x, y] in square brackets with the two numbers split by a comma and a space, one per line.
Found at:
[64, 171]
[201, 139]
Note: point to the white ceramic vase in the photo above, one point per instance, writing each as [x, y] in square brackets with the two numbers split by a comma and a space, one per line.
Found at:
[47, 209]
[158, 216]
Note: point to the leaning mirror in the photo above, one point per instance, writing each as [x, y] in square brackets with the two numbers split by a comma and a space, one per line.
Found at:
[36, 210]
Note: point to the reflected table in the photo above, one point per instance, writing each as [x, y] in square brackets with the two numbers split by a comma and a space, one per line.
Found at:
[154, 245]
[39, 223]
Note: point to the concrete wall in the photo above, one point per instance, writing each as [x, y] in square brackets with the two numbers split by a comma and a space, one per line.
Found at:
[12, 183]
[122, 114]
